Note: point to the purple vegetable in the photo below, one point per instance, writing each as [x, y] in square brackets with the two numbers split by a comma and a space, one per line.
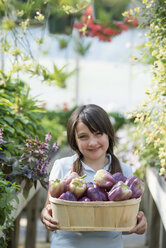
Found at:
[89, 184]
[84, 199]
[119, 192]
[95, 193]
[118, 176]
[56, 187]
[68, 196]
[104, 179]
[130, 180]
[137, 187]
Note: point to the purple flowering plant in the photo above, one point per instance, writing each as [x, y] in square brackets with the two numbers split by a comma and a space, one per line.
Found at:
[31, 167]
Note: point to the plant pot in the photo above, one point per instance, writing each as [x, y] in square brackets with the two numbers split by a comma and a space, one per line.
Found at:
[60, 24]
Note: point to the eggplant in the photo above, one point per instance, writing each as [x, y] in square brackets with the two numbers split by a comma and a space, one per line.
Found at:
[119, 192]
[95, 193]
[68, 196]
[104, 179]
[137, 187]
[130, 180]
[84, 199]
[118, 176]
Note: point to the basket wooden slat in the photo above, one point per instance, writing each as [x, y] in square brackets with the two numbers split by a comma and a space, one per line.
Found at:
[95, 216]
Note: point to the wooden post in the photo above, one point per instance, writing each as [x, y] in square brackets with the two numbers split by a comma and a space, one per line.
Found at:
[146, 209]
[162, 238]
[153, 225]
[13, 234]
[32, 212]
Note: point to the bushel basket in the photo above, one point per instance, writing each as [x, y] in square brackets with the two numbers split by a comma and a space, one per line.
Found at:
[95, 216]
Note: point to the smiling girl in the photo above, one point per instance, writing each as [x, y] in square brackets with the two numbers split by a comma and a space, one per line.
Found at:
[91, 136]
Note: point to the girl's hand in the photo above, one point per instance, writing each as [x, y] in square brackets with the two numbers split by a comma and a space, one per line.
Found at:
[47, 219]
[141, 225]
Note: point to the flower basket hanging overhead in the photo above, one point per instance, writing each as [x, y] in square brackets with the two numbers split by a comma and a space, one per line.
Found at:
[61, 24]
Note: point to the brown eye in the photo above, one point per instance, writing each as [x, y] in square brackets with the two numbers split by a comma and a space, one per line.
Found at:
[83, 137]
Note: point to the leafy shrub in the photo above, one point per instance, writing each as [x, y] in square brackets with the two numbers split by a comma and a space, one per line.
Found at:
[56, 123]
[29, 168]
[7, 190]
[150, 116]
[18, 113]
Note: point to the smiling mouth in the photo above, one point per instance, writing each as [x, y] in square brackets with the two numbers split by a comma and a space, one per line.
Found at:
[94, 149]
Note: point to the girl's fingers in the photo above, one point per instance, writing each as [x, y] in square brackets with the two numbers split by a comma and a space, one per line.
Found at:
[141, 226]
[48, 220]
[50, 226]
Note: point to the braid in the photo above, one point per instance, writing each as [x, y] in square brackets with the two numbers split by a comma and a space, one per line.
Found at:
[77, 167]
[115, 165]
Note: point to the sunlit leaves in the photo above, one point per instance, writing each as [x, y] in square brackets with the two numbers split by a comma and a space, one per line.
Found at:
[151, 115]
[8, 24]
[70, 6]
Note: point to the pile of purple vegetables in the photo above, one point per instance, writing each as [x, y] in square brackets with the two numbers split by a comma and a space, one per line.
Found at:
[107, 187]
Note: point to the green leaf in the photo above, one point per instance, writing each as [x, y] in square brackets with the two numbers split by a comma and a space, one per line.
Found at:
[9, 119]
[2, 217]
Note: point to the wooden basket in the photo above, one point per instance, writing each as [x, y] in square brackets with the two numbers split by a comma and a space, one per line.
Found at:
[95, 216]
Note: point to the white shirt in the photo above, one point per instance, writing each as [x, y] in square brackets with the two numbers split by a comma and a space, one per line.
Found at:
[99, 239]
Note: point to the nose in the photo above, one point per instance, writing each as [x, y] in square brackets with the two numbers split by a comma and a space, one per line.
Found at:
[92, 140]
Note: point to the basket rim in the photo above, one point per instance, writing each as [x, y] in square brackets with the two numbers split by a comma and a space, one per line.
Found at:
[95, 203]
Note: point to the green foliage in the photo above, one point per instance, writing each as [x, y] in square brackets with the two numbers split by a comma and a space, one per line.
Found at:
[31, 166]
[151, 114]
[30, 7]
[63, 42]
[58, 131]
[18, 113]
[56, 123]
[7, 193]
[61, 116]
[69, 6]
[117, 119]
[107, 11]
[81, 47]
[15, 42]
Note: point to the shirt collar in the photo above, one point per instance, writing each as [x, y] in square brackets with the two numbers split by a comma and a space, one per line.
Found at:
[106, 167]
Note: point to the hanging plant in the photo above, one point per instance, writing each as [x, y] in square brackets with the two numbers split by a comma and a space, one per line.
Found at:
[106, 11]
[60, 24]
[89, 27]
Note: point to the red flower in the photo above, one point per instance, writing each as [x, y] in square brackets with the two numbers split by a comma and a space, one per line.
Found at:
[135, 22]
[78, 25]
[124, 27]
[119, 24]
[131, 21]
[65, 106]
[94, 27]
[102, 32]
[109, 31]
[87, 16]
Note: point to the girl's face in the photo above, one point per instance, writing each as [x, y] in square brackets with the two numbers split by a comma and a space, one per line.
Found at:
[93, 146]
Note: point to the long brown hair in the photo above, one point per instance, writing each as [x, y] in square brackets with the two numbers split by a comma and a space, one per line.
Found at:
[96, 119]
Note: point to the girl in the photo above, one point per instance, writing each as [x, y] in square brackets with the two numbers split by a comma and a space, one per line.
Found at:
[91, 135]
